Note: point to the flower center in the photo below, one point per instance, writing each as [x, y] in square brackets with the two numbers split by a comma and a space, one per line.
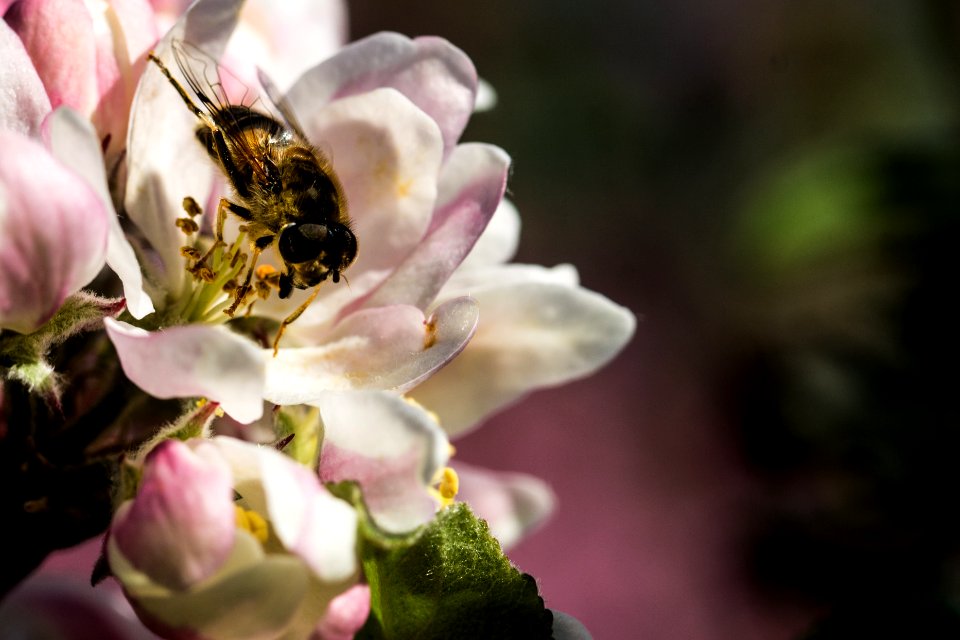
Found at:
[253, 522]
[215, 272]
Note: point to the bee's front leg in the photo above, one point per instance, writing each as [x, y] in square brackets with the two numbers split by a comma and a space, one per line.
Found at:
[244, 289]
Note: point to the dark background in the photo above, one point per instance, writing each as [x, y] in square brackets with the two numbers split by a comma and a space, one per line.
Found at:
[771, 186]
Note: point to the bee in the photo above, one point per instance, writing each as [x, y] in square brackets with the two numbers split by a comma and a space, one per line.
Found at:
[284, 189]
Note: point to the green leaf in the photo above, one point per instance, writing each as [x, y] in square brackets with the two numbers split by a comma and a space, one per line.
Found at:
[453, 581]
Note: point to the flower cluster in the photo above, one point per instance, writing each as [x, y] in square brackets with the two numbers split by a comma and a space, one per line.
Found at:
[434, 331]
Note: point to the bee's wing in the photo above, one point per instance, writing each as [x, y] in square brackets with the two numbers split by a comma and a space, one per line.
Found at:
[202, 74]
[280, 102]
[205, 77]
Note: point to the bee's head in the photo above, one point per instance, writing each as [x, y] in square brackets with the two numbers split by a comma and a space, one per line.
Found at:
[317, 251]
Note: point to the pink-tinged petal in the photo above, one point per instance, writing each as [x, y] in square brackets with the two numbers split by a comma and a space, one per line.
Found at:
[53, 233]
[59, 604]
[138, 25]
[496, 276]
[311, 523]
[59, 36]
[470, 188]
[498, 243]
[513, 504]
[191, 361]
[387, 154]
[165, 162]
[261, 601]
[389, 348]
[74, 142]
[532, 334]
[23, 101]
[391, 447]
[125, 30]
[264, 35]
[431, 72]
[179, 528]
[346, 614]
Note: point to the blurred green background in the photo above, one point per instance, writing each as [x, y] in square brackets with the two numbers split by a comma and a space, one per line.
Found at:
[773, 187]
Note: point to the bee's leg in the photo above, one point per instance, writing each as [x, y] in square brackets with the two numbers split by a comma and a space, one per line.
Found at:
[200, 268]
[242, 291]
[239, 181]
[290, 318]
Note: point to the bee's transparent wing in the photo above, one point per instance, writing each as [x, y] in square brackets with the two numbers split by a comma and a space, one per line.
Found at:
[280, 103]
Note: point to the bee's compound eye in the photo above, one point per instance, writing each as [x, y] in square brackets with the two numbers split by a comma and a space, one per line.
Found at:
[301, 242]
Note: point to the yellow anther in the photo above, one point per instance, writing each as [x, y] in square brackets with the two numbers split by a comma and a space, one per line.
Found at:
[203, 272]
[253, 522]
[187, 225]
[264, 271]
[202, 402]
[190, 252]
[448, 484]
[191, 207]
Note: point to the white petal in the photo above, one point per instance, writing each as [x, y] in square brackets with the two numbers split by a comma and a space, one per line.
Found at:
[309, 522]
[74, 142]
[435, 75]
[387, 154]
[193, 360]
[165, 161]
[486, 96]
[388, 348]
[391, 447]
[513, 504]
[264, 36]
[471, 186]
[499, 240]
[258, 602]
[532, 335]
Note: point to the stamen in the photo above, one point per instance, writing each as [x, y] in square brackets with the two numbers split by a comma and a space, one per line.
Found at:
[448, 484]
[188, 225]
[191, 207]
[253, 522]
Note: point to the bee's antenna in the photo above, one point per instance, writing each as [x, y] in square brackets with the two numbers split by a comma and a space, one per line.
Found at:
[183, 94]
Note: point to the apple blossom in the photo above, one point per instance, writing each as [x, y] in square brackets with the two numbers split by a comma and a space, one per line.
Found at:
[53, 233]
[93, 61]
[432, 332]
[227, 539]
[369, 124]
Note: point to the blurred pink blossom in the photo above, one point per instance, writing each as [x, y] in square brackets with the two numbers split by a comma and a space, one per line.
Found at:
[227, 539]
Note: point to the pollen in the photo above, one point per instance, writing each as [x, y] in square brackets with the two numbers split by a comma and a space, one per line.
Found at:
[188, 225]
[448, 484]
[253, 522]
[264, 271]
[190, 252]
[191, 207]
